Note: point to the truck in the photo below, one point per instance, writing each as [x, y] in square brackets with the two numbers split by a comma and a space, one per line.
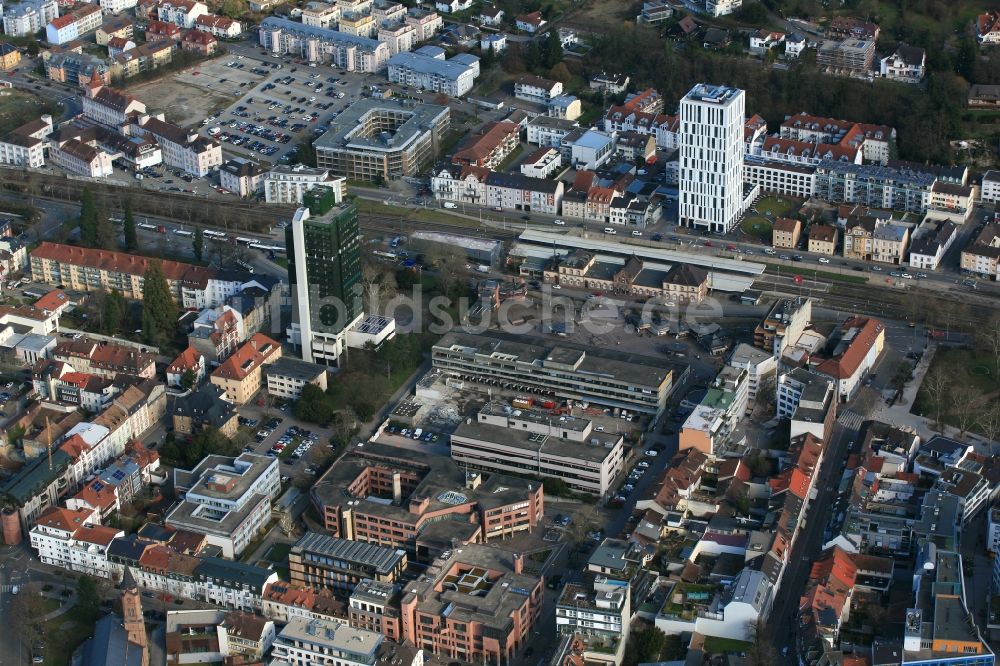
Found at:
[522, 402]
[483, 268]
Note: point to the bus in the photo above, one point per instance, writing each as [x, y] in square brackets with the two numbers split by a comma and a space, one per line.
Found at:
[182, 232]
[246, 265]
[217, 235]
[266, 248]
[146, 225]
[382, 253]
[245, 241]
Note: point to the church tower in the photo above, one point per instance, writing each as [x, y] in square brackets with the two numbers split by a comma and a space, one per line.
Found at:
[133, 622]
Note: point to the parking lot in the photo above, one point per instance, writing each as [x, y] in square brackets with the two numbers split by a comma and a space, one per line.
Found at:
[276, 104]
[277, 435]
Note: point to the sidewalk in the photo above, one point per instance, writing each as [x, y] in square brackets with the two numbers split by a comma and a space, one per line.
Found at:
[899, 414]
[59, 611]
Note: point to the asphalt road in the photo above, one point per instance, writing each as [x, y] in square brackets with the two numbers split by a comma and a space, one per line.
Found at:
[782, 623]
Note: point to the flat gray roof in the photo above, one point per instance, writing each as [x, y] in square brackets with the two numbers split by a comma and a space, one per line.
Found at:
[324, 34]
[294, 368]
[383, 560]
[345, 129]
[425, 64]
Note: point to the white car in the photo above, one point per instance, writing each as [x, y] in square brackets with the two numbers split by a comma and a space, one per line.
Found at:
[636, 233]
[651, 453]
[907, 276]
[559, 223]
[609, 230]
[557, 286]
[823, 260]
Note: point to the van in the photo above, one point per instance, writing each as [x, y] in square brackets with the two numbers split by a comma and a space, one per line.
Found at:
[768, 250]
[450, 204]
[609, 230]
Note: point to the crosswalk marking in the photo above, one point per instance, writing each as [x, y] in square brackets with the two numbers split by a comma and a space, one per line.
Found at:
[850, 419]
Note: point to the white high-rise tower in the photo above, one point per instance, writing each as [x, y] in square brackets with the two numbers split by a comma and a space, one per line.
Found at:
[711, 157]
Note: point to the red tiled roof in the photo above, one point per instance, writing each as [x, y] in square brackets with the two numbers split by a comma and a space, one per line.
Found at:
[987, 23]
[253, 354]
[199, 37]
[186, 360]
[98, 495]
[61, 22]
[74, 447]
[213, 21]
[534, 18]
[120, 262]
[52, 301]
[64, 519]
[867, 333]
[162, 28]
[97, 534]
[481, 145]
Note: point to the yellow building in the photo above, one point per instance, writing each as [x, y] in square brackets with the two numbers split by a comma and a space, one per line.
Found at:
[9, 56]
[240, 375]
[823, 239]
[785, 233]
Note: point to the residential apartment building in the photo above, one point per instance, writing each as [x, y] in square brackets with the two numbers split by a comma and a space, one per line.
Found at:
[400, 38]
[321, 15]
[382, 139]
[500, 605]
[546, 131]
[286, 184]
[936, 629]
[988, 28]
[761, 368]
[80, 158]
[318, 561]
[980, 256]
[26, 18]
[599, 614]
[907, 64]
[435, 504]
[240, 375]
[425, 22]
[74, 25]
[785, 233]
[105, 359]
[322, 45]
[868, 238]
[488, 147]
[851, 56]
[22, 151]
[877, 142]
[73, 540]
[783, 325]
[241, 177]
[779, 177]
[858, 349]
[424, 72]
[541, 163]
[86, 269]
[808, 400]
[287, 376]
[183, 149]
[512, 191]
[536, 89]
[375, 607]
[218, 26]
[710, 425]
[525, 442]
[182, 13]
[990, 189]
[711, 158]
[930, 241]
[877, 187]
[226, 499]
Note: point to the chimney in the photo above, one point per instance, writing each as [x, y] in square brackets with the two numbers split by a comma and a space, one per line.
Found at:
[518, 563]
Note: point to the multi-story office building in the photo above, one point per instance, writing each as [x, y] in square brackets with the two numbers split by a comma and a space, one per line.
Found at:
[322, 45]
[537, 444]
[287, 184]
[475, 604]
[794, 180]
[320, 561]
[86, 269]
[526, 364]
[226, 499]
[428, 73]
[851, 56]
[808, 399]
[711, 157]
[397, 498]
[324, 269]
[287, 376]
[382, 139]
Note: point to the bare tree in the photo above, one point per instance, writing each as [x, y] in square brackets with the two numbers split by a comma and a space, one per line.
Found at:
[988, 339]
[377, 284]
[989, 423]
[963, 406]
[936, 384]
[26, 613]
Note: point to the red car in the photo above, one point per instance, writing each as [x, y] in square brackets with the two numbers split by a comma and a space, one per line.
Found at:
[708, 243]
[730, 247]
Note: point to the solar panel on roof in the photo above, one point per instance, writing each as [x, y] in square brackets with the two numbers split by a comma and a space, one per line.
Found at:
[98, 486]
[118, 475]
